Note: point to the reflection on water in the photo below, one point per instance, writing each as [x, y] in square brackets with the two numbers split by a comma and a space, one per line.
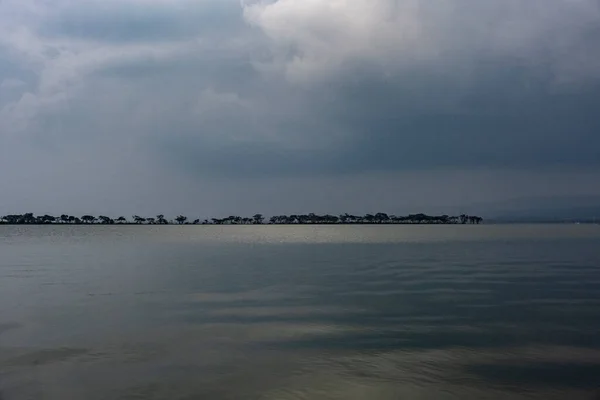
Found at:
[432, 312]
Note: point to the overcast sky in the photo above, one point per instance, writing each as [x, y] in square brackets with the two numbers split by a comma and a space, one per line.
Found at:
[219, 107]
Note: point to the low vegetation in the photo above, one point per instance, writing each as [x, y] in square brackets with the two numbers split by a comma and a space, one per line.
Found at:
[257, 219]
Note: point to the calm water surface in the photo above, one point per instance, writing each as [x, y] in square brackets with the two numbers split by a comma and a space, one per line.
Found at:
[352, 312]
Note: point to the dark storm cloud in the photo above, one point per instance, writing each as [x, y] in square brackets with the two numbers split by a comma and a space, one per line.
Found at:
[500, 124]
[512, 120]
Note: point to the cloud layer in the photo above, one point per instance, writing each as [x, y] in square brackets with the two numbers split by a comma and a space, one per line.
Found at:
[212, 96]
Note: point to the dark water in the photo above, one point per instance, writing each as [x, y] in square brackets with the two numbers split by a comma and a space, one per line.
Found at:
[421, 312]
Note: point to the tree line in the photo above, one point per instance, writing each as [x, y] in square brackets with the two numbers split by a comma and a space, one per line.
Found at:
[257, 219]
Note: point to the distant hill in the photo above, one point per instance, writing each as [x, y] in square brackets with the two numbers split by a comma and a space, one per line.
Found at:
[542, 209]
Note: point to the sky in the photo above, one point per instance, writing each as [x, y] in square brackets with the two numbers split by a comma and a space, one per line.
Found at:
[220, 107]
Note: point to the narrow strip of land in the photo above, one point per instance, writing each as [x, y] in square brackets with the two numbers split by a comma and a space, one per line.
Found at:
[257, 219]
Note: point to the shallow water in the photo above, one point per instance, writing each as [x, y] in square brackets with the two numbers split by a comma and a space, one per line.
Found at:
[304, 312]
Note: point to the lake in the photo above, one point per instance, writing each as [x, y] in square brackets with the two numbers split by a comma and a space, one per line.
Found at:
[300, 312]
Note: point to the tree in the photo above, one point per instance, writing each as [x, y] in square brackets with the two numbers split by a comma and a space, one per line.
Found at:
[14, 219]
[88, 219]
[369, 218]
[330, 219]
[181, 219]
[121, 220]
[258, 219]
[382, 217]
[160, 218]
[45, 219]
[105, 220]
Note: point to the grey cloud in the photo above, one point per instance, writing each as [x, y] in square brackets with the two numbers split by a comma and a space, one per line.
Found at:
[511, 119]
[500, 123]
[146, 21]
[13, 79]
[319, 38]
[211, 94]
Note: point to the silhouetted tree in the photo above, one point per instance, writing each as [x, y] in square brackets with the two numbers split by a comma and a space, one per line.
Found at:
[381, 217]
[181, 219]
[105, 220]
[88, 219]
[47, 219]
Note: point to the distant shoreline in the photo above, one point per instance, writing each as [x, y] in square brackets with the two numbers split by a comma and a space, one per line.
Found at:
[257, 219]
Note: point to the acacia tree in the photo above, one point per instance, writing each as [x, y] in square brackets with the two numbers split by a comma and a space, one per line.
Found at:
[105, 220]
[181, 219]
[382, 217]
[46, 219]
[88, 219]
